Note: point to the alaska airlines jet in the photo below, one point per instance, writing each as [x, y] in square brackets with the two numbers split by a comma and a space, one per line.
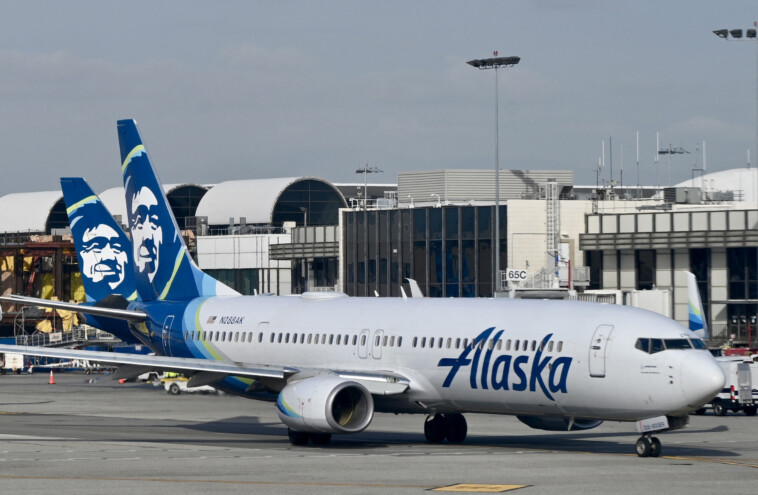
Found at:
[329, 361]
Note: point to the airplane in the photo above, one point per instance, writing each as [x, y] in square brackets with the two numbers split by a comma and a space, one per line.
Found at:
[330, 361]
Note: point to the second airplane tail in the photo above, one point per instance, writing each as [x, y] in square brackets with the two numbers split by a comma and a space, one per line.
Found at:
[163, 268]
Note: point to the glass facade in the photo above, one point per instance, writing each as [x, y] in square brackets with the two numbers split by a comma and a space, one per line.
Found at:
[448, 251]
[311, 201]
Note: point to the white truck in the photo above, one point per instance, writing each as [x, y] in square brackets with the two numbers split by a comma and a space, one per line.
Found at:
[740, 391]
[11, 362]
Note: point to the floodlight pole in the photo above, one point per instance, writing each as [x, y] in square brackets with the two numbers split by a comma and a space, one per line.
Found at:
[750, 35]
[495, 63]
[365, 171]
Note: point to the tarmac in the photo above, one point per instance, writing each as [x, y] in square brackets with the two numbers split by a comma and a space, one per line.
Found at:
[88, 434]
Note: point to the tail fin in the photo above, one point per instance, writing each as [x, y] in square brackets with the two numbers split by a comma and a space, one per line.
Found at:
[164, 270]
[698, 325]
[103, 249]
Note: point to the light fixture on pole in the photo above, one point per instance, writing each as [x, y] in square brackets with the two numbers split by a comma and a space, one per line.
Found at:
[736, 35]
[496, 63]
[365, 171]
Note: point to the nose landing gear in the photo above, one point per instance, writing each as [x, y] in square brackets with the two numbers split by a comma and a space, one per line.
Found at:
[648, 446]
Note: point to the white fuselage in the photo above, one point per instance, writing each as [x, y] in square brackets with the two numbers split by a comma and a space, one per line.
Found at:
[561, 358]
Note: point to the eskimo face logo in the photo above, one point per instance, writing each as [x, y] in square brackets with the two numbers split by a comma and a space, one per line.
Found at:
[103, 255]
[147, 234]
[510, 372]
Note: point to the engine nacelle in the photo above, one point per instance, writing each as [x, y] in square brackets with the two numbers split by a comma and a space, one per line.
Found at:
[559, 423]
[325, 404]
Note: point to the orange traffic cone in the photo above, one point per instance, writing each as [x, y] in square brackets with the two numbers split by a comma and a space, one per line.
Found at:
[52, 378]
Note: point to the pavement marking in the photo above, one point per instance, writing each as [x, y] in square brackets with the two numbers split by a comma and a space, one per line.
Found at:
[211, 481]
[478, 488]
[712, 461]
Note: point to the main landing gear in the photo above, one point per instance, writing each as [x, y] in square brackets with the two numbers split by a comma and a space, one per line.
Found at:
[303, 437]
[648, 446]
[441, 426]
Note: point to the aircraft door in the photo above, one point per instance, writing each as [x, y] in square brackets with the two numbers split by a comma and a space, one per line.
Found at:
[363, 339]
[376, 344]
[598, 348]
[167, 334]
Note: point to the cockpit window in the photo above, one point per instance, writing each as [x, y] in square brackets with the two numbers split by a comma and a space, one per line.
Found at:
[652, 346]
[677, 344]
[643, 345]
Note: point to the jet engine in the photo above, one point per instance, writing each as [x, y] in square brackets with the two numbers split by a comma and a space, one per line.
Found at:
[559, 423]
[325, 404]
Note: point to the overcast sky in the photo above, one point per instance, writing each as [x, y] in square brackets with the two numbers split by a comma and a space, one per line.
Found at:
[254, 89]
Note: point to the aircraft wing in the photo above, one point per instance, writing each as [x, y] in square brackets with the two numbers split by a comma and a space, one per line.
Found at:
[207, 372]
[120, 314]
[138, 362]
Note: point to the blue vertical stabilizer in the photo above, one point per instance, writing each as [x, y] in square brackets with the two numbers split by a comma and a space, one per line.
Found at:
[163, 268]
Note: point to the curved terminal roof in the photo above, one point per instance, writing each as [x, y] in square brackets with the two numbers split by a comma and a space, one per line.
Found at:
[27, 212]
[742, 181]
[46, 210]
[272, 202]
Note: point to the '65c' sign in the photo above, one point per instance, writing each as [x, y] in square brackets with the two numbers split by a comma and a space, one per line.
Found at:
[513, 275]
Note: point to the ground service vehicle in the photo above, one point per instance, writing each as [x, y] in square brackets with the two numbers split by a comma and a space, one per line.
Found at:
[740, 391]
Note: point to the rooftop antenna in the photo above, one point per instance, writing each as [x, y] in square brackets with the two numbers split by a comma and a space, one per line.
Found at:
[656, 159]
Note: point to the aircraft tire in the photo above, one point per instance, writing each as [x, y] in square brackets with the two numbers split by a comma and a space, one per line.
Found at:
[321, 438]
[719, 409]
[644, 446]
[435, 428]
[456, 427]
[298, 437]
[655, 447]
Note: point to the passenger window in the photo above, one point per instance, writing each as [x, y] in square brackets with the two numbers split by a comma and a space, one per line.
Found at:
[323, 338]
[260, 337]
[457, 343]
[508, 345]
[331, 339]
[499, 345]
[310, 338]
[287, 338]
[339, 339]
[237, 336]
[656, 345]
[384, 343]
[542, 346]
[423, 342]
[363, 341]
[465, 343]
[550, 346]
[272, 337]
[399, 341]
[392, 341]
[355, 339]
[346, 340]
[415, 341]
[516, 345]
[560, 346]
[534, 345]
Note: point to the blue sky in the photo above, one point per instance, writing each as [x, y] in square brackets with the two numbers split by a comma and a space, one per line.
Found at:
[253, 89]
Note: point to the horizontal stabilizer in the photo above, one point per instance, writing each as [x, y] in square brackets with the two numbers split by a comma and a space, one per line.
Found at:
[119, 314]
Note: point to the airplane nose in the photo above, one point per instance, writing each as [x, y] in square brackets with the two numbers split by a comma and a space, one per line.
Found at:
[702, 378]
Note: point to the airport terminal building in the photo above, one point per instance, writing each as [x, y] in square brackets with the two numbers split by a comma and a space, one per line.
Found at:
[290, 235]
